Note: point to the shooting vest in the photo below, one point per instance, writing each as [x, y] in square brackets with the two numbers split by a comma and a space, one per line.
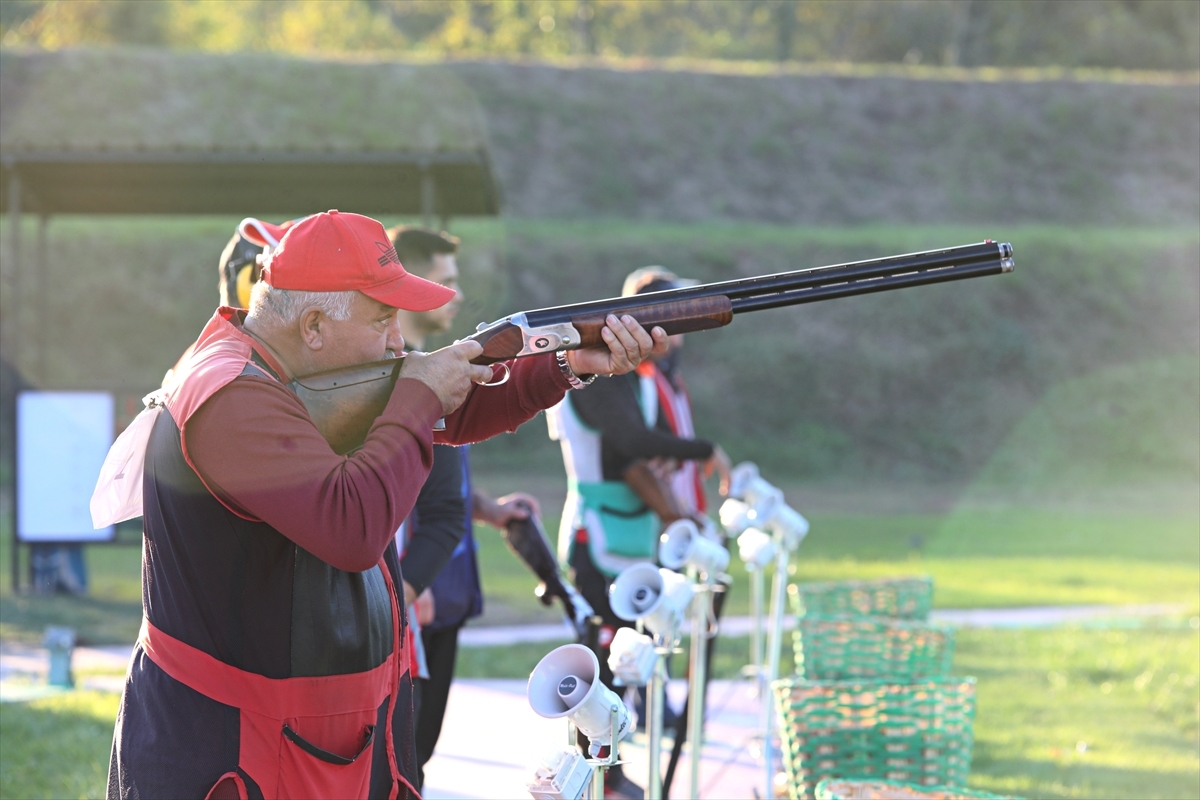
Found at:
[260, 670]
[620, 529]
[676, 407]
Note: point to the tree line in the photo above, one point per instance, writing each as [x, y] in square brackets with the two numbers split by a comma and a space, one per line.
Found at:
[1121, 34]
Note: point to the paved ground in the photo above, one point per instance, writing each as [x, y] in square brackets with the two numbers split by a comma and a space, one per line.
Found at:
[491, 740]
[1034, 617]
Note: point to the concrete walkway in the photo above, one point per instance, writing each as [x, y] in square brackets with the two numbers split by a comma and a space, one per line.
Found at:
[1034, 617]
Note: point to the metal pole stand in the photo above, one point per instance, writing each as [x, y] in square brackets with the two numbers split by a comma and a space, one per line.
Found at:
[654, 722]
[664, 647]
[767, 719]
[755, 668]
[602, 765]
[704, 628]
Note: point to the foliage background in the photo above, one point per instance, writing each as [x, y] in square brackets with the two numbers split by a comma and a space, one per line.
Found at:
[1144, 34]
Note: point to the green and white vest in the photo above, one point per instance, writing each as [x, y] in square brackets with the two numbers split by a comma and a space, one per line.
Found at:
[621, 529]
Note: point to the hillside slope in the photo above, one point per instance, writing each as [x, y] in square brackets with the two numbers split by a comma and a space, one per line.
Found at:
[825, 149]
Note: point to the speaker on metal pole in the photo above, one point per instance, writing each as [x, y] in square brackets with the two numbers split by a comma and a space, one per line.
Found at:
[681, 546]
[566, 683]
[657, 597]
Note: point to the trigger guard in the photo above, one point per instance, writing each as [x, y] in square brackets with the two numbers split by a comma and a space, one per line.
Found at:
[502, 381]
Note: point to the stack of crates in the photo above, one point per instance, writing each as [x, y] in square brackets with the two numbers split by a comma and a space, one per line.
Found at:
[872, 697]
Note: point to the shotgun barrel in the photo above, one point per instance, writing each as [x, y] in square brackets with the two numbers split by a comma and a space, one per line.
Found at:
[713, 305]
[343, 403]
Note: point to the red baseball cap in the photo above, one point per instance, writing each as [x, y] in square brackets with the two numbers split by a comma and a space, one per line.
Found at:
[335, 252]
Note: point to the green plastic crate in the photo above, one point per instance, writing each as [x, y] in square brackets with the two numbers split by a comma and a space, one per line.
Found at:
[904, 598]
[920, 732]
[838, 789]
[853, 648]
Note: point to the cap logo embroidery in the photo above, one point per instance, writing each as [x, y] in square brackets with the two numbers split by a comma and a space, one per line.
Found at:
[389, 254]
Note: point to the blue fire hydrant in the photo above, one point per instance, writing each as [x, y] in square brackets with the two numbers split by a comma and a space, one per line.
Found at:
[60, 642]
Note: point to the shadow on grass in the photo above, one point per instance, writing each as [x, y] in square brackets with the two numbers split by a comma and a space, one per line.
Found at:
[57, 747]
[1077, 778]
[96, 621]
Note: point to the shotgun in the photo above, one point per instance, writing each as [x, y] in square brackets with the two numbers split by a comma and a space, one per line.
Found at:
[344, 402]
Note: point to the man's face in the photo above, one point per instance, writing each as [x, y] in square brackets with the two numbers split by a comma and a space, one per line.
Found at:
[368, 335]
[444, 270]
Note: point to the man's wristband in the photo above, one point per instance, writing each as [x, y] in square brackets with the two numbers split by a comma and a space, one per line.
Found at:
[564, 367]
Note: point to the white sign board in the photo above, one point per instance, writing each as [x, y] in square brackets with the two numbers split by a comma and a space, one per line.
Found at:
[62, 438]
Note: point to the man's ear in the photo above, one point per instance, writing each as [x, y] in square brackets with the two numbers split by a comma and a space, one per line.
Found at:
[312, 328]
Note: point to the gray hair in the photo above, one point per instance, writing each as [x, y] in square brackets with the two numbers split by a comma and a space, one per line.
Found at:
[283, 307]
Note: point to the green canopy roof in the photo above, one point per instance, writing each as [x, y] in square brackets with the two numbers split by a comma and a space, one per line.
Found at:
[151, 131]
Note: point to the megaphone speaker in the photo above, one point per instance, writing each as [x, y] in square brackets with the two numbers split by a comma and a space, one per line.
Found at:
[566, 683]
[681, 545]
[790, 525]
[756, 548]
[657, 597]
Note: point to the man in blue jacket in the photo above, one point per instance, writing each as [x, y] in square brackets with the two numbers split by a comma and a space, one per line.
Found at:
[440, 561]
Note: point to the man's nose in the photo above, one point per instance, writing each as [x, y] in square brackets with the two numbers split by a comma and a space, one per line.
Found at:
[395, 340]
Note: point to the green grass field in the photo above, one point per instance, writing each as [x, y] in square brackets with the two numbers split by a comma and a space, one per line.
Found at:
[57, 747]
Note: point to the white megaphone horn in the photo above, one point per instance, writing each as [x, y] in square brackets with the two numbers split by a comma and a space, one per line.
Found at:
[566, 683]
[788, 524]
[746, 484]
[657, 597]
[756, 548]
[738, 515]
[681, 545]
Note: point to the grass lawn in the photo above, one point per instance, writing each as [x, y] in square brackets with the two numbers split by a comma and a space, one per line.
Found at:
[1085, 713]
[57, 746]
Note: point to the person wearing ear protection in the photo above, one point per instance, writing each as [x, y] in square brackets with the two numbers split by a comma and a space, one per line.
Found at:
[239, 266]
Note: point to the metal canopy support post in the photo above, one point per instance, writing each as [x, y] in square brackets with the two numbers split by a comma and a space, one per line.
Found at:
[14, 266]
[14, 343]
[428, 196]
[40, 283]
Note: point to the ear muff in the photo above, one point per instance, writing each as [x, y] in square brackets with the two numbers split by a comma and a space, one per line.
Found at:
[245, 282]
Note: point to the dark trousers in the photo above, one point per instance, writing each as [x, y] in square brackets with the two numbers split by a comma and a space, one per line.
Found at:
[441, 652]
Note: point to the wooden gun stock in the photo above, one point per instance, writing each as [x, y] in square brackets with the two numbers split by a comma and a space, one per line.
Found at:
[344, 403]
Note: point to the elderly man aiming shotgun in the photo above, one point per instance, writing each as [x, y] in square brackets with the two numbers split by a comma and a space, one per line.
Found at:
[272, 659]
